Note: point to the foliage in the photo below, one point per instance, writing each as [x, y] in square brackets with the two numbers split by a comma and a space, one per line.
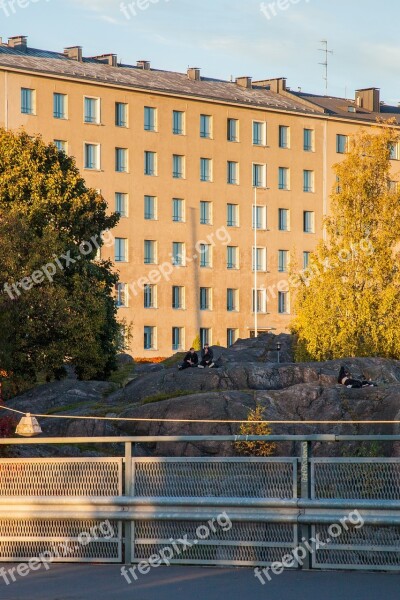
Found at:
[255, 426]
[196, 344]
[46, 213]
[347, 303]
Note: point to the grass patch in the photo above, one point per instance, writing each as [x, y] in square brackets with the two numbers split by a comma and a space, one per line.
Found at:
[123, 375]
[174, 360]
[166, 396]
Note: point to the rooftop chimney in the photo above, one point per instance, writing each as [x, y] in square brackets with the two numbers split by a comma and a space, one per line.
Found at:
[108, 59]
[74, 52]
[143, 64]
[244, 82]
[369, 99]
[18, 42]
[276, 85]
[193, 73]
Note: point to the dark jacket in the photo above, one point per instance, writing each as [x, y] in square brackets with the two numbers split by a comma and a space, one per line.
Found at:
[209, 356]
[193, 357]
[342, 374]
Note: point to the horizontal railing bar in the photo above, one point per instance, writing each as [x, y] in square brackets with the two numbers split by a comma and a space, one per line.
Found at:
[322, 437]
[294, 518]
[127, 501]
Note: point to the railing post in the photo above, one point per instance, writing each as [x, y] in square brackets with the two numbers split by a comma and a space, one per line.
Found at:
[128, 492]
[305, 530]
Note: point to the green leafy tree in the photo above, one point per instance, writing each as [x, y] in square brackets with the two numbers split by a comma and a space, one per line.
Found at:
[47, 214]
[347, 303]
[255, 426]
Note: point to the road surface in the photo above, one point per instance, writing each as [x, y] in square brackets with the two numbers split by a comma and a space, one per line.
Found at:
[105, 582]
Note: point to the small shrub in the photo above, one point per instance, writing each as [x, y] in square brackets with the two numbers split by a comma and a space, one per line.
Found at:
[255, 426]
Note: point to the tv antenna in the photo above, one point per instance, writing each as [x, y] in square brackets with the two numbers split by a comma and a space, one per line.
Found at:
[325, 64]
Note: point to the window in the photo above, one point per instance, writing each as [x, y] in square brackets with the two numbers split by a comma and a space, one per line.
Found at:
[92, 156]
[178, 166]
[205, 255]
[283, 182]
[205, 336]
[121, 295]
[121, 114]
[178, 254]
[394, 151]
[232, 215]
[150, 118]
[233, 172]
[283, 261]
[308, 181]
[283, 303]
[205, 126]
[259, 176]
[121, 204]
[231, 336]
[150, 208]
[259, 297]
[92, 110]
[205, 213]
[205, 169]
[233, 130]
[259, 259]
[28, 101]
[342, 144]
[259, 219]
[149, 338]
[308, 221]
[178, 297]
[178, 209]
[393, 186]
[284, 136]
[121, 247]
[232, 257]
[177, 338]
[306, 259]
[150, 163]
[178, 122]
[121, 160]
[308, 141]
[59, 106]
[61, 145]
[232, 304]
[150, 296]
[205, 298]
[150, 252]
[283, 219]
[259, 133]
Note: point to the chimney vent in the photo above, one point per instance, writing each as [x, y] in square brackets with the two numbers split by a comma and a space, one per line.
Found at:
[143, 64]
[108, 59]
[193, 73]
[74, 52]
[18, 42]
[369, 99]
[244, 82]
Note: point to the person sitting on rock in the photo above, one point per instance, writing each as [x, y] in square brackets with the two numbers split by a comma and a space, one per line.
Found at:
[191, 360]
[207, 358]
[345, 378]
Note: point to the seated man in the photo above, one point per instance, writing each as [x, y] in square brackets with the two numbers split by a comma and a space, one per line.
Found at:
[191, 360]
[206, 357]
[346, 379]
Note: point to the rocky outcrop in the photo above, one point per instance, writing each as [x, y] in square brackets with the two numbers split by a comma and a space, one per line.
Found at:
[247, 376]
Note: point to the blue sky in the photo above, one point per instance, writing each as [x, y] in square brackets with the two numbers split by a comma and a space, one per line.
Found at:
[228, 37]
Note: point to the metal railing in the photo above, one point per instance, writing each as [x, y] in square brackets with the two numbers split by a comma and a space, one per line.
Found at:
[275, 504]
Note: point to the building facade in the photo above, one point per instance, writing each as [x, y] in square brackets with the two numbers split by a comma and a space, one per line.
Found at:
[219, 184]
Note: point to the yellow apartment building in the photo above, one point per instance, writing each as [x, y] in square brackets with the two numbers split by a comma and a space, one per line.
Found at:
[217, 182]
